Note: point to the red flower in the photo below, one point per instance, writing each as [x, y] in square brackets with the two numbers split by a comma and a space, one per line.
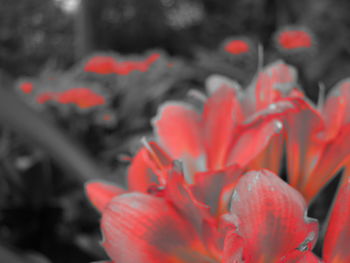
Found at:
[237, 47]
[212, 139]
[26, 87]
[101, 65]
[216, 144]
[317, 141]
[81, 97]
[293, 39]
[274, 83]
[109, 65]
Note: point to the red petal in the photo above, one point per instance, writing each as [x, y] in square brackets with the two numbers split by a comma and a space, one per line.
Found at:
[336, 110]
[179, 130]
[215, 82]
[179, 193]
[252, 138]
[337, 239]
[271, 157]
[140, 173]
[221, 115]
[210, 188]
[334, 155]
[344, 90]
[303, 145]
[276, 81]
[143, 228]
[162, 158]
[334, 115]
[233, 248]
[100, 194]
[298, 256]
[271, 217]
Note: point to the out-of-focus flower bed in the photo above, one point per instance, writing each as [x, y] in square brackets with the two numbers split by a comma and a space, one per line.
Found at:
[105, 103]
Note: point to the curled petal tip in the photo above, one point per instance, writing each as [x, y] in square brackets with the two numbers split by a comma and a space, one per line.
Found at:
[100, 193]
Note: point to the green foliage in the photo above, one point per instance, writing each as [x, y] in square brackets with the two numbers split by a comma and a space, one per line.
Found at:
[33, 33]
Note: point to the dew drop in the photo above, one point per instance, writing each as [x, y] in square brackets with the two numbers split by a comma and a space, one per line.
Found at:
[305, 245]
[279, 126]
[272, 106]
[235, 196]
[156, 190]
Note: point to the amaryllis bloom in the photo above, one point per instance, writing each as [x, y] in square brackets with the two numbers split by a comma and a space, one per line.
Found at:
[294, 39]
[26, 87]
[274, 83]
[237, 47]
[109, 65]
[227, 135]
[164, 225]
[317, 140]
[231, 129]
[81, 97]
[267, 223]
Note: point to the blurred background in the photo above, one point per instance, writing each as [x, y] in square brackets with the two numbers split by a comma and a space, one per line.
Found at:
[81, 79]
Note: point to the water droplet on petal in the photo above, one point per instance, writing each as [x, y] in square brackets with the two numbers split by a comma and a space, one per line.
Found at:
[156, 190]
[279, 126]
[272, 106]
[306, 243]
[235, 196]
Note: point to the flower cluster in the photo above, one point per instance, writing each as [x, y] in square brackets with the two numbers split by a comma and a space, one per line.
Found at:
[81, 97]
[109, 65]
[191, 196]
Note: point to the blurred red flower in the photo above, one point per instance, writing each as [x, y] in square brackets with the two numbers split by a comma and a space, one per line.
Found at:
[81, 97]
[293, 39]
[26, 87]
[109, 65]
[237, 47]
[101, 65]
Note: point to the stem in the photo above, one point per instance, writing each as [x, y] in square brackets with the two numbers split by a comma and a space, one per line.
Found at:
[21, 119]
